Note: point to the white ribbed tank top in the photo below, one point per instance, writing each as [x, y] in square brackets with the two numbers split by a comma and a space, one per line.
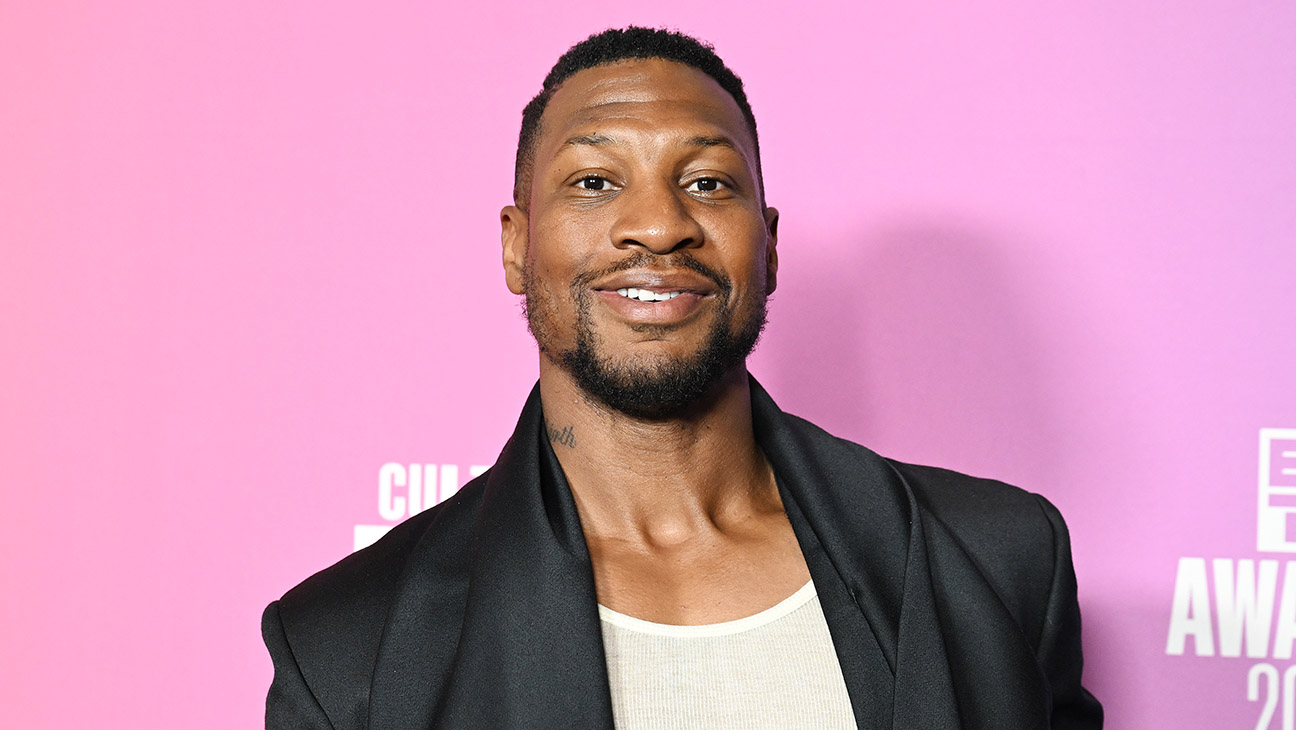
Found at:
[774, 669]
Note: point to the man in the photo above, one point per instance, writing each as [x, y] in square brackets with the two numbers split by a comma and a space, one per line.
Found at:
[659, 545]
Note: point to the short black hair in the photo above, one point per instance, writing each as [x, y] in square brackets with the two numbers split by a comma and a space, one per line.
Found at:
[611, 46]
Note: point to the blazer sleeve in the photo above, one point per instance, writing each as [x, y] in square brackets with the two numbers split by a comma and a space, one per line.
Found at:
[1059, 650]
[290, 704]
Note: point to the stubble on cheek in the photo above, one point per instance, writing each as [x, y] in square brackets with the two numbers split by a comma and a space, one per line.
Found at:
[536, 307]
[542, 307]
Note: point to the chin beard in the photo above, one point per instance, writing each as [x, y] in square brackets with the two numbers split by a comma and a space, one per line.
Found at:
[655, 390]
[661, 390]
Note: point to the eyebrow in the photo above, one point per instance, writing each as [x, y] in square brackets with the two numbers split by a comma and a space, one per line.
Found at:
[595, 139]
[718, 140]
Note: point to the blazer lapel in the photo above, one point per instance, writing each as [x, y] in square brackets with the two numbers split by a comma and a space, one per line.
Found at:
[846, 502]
[529, 650]
[958, 657]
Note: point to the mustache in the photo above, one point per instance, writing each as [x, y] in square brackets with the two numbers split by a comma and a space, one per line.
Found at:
[645, 260]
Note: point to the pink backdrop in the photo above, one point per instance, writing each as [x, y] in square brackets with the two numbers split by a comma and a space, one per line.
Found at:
[249, 255]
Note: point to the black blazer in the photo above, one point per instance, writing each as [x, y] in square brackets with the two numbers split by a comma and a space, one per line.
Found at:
[951, 600]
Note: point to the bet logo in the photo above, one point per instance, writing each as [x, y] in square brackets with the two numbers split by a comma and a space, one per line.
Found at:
[1276, 526]
[1232, 608]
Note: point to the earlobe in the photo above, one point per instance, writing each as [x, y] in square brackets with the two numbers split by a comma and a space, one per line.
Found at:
[771, 250]
[513, 236]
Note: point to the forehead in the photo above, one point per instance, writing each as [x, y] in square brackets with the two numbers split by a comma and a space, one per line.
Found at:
[654, 91]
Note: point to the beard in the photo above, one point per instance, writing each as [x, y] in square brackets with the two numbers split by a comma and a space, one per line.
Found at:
[651, 388]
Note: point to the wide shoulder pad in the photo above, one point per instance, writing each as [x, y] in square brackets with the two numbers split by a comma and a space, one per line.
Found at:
[1012, 536]
[334, 620]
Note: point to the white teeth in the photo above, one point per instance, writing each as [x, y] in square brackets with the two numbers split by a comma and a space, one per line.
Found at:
[645, 295]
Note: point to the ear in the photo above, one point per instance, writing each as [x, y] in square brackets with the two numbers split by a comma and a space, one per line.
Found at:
[513, 234]
[771, 250]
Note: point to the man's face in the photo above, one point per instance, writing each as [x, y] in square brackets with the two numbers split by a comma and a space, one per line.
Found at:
[647, 253]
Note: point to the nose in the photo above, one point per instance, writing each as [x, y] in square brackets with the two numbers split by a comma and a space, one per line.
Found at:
[657, 218]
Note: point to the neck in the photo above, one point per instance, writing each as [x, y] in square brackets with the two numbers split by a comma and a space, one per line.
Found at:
[663, 480]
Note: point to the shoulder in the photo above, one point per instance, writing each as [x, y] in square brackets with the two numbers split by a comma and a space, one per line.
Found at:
[341, 610]
[1016, 540]
[979, 509]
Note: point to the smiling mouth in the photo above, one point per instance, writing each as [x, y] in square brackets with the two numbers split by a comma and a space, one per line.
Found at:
[647, 295]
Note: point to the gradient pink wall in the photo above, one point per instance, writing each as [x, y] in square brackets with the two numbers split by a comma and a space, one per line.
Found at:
[248, 255]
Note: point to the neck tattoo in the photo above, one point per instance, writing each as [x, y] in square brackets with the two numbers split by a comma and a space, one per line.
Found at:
[566, 437]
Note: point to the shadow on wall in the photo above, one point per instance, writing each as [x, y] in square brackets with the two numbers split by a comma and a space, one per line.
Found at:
[915, 341]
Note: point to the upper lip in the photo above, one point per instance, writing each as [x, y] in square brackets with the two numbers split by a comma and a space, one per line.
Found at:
[660, 281]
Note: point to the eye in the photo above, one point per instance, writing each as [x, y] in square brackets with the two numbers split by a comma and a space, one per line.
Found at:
[594, 182]
[705, 185]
